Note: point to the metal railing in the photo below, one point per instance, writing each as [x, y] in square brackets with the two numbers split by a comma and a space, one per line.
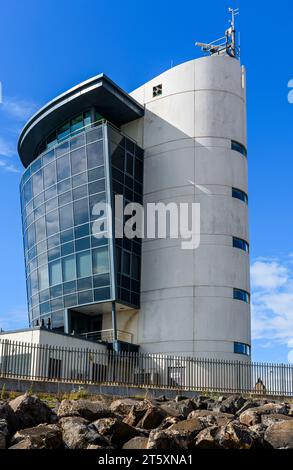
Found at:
[95, 365]
[108, 336]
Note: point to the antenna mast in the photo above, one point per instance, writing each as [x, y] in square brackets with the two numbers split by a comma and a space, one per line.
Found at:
[227, 44]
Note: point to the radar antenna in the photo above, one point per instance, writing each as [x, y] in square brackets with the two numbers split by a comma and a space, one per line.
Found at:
[226, 44]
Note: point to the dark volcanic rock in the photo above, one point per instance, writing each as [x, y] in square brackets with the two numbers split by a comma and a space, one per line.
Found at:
[166, 440]
[117, 432]
[89, 410]
[280, 435]
[231, 404]
[77, 433]
[231, 436]
[182, 408]
[210, 418]
[136, 443]
[254, 415]
[44, 436]
[29, 411]
[190, 426]
[168, 422]
[124, 405]
[7, 413]
[145, 415]
[3, 434]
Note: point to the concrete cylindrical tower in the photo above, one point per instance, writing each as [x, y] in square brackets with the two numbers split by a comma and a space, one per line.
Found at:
[196, 302]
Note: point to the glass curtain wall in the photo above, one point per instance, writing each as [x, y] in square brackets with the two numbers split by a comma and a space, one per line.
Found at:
[67, 265]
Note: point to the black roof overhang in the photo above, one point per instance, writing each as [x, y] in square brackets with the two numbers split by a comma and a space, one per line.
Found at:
[113, 103]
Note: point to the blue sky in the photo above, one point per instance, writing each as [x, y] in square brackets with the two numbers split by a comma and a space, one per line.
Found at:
[49, 46]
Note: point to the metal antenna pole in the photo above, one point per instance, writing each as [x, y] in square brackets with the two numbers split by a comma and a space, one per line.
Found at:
[226, 44]
[232, 32]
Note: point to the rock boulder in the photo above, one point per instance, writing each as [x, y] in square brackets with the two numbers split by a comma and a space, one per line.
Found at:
[29, 411]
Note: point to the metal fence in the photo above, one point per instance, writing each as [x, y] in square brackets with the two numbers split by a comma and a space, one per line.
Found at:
[90, 366]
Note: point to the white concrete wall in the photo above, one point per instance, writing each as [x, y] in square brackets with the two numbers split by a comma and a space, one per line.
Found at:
[187, 296]
[41, 354]
[49, 338]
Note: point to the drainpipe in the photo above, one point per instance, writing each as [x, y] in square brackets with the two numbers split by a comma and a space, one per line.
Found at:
[114, 326]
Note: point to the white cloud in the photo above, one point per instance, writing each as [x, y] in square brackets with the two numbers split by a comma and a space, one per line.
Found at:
[8, 167]
[6, 148]
[15, 113]
[272, 302]
[17, 109]
[268, 275]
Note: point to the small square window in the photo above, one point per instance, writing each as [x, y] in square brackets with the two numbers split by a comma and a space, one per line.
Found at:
[157, 90]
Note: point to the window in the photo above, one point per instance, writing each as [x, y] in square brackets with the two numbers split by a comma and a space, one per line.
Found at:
[43, 278]
[129, 163]
[126, 263]
[95, 155]
[63, 132]
[241, 348]
[79, 180]
[101, 260]
[84, 264]
[37, 180]
[135, 269]
[78, 161]
[52, 221]
[85, 297]
[239, 294]
[157, 90]
[76, 124]
[55, 273]
[40, 229]
[241, 244]
[80, 192]
[238, 148]
[82, 244]
[63, 168]
[66, 218]
[77, 142]
[238, 194]
[49, 175]
[69, 269]
[118, 156]
[62, 149]
[82, 231]
[81, 212]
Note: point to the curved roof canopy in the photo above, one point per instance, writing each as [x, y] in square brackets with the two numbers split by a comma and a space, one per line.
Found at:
[113, 103]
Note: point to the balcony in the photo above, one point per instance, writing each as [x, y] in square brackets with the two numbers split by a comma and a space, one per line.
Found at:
[107, 336]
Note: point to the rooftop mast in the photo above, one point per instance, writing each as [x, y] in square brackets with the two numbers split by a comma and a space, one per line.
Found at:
[226, 44]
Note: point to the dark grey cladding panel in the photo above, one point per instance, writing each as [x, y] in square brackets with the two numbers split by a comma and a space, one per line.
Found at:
[113, 103]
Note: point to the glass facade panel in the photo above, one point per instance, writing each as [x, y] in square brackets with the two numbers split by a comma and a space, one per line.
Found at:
[101, 260]
[55, 272]
[49, 175]
[63, 168]
[69, 268]
[239, 148]
[241, 348]
[240, 244]
[240, 294]
[84, 264]
[127, 178]
[241, 195]
[78, 161]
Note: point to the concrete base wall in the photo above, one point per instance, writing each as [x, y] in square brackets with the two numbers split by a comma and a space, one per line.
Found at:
[22, 386]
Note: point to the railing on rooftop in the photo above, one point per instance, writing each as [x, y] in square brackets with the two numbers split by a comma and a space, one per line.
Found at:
[95, 365]
[107, 336]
